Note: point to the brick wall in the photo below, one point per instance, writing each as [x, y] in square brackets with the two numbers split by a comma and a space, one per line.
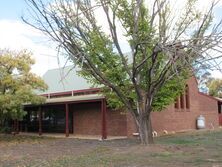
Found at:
[220, 119]
[209, 109]
[116, 123]
[131, 125]
[87, 120]
[172, 119]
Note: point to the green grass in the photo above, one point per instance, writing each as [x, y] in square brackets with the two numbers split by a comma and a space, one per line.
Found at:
[201, 149]
[16, 139]
[195, 149]
[204, 138]
[95, 159]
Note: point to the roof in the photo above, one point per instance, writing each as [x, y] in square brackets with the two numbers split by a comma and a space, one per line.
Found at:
[219, 99]
[64, 79]
[71, 99]
[212, 97]
[75, 98]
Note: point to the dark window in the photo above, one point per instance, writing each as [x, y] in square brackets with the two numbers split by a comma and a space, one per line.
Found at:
[182, 101]
[187, 96]
[176, 104]
[219, 107]
[53, 120]
[32, 121]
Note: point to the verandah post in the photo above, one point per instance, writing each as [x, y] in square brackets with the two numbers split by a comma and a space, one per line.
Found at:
[14, 127]
[67, 119]
[17, 126]
[103, 110]
[40, 120]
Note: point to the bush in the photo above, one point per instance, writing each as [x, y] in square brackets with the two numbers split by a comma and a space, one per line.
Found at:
[5, 129]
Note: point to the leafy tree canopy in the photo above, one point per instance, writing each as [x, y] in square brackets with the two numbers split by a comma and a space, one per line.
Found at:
[215, 87]
[17, 84]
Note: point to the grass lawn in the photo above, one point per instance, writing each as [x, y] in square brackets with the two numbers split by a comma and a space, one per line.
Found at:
[202, 148]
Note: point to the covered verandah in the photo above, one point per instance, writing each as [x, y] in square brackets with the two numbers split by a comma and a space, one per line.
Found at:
[60, 115]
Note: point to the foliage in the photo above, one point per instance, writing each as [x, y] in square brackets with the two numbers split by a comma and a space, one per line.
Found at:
[5, 129]
[17, 84]
[215, 87]
[169, 92]
[165, 96]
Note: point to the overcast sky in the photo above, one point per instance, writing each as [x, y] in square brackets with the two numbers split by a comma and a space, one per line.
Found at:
[14, 34]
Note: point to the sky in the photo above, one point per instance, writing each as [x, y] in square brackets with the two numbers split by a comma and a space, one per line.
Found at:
[16, 35]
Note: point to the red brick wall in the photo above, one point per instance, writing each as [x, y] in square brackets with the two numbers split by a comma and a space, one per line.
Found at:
[209, 109]
[220, 119]
[116, 123]
[172, 119]
[131, 125]
[87, 120]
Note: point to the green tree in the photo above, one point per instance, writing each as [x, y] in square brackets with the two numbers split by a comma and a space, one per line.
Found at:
[164, 46]
[17, 84]
[215, 87]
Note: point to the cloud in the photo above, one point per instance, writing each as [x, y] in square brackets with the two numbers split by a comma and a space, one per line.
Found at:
[16, 35]
[216, 74]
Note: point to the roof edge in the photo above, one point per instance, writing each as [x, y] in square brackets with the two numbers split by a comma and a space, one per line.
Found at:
[211, 97]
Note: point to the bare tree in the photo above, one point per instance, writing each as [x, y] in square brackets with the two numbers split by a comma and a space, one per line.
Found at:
[164, 47]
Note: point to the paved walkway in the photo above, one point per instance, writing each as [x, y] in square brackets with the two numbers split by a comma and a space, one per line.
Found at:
[61, 135]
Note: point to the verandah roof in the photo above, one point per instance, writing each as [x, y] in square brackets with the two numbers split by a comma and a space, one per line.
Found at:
[75, 98]
[89, 97]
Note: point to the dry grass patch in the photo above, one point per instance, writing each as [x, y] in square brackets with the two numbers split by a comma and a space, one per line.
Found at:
[202, 149]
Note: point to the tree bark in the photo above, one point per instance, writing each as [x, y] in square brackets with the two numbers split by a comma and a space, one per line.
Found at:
[145, 127]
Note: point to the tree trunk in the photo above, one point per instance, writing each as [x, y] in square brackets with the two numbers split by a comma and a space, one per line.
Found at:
[145, 129]
[142, 118]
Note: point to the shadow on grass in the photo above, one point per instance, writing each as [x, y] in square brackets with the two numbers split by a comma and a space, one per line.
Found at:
[9, 138]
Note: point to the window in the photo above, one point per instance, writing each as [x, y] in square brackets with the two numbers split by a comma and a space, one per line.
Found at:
[187, 98]
[183, 102]
[176, 104]
[220, 109]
